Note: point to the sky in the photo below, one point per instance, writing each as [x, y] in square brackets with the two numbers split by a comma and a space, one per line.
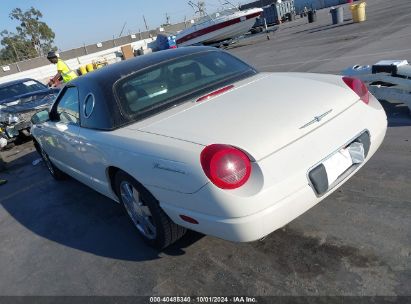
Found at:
[77, 22]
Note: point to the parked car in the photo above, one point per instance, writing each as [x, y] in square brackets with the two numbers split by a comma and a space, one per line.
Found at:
[19, 100]
[195, 138]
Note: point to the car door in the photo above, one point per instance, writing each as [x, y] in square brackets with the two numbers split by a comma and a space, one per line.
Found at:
[61, 142]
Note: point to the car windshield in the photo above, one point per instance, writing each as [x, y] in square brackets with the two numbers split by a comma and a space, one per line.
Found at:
[20, 88]
[156, 88]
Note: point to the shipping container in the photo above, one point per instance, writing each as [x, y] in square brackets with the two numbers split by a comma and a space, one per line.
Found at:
[276, 12]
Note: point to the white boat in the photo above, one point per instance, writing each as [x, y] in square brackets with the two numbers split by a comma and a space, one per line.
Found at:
[219, 27]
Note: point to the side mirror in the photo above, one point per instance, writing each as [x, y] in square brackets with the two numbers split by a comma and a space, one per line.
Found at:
[40, 117]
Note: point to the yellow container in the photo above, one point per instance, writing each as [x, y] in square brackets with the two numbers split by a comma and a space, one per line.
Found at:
[89, 67]
[83, 70]
[358, 12]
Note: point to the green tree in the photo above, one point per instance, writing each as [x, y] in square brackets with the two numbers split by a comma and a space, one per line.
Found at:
[33, 37]
[16, 48]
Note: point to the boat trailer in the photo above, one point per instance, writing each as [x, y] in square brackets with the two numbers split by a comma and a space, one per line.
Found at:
[388, 80]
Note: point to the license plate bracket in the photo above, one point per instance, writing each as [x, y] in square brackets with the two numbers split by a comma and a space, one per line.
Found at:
[333, 169]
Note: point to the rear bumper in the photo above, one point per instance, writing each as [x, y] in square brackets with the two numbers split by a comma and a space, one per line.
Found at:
[252, 227]
[259, 224]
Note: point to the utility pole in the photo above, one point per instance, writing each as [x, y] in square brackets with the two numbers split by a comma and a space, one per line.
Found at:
[145, 22]
[13, 46]
[15, 51]
[124, 25]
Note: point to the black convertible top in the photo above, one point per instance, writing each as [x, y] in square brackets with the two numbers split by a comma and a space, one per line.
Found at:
[106, 114]
[112, 73]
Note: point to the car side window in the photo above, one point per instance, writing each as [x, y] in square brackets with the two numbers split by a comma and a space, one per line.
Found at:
[68, 107]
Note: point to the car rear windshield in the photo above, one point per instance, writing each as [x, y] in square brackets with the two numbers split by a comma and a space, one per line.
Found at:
[157, 88]
[20, 88]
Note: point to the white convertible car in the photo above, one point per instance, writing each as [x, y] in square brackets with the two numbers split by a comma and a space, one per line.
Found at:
[195, 138]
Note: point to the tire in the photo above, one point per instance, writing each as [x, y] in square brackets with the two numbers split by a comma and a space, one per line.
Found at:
[55, 172]
[152, 223]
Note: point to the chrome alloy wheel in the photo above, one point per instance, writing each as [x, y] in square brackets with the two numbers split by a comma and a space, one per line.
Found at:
[139, 213]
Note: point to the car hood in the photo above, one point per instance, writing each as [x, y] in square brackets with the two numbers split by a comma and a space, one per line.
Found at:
[261, 115]
[29, 102]
[35, 94]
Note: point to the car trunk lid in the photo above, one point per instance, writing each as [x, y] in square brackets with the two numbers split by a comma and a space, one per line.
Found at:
[261, 116]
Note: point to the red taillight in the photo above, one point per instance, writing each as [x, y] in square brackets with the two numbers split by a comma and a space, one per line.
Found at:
[227, 167]
[358, 87]
[215, 93]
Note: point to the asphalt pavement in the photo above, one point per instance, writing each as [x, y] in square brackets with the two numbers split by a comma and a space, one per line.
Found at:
[62, 238]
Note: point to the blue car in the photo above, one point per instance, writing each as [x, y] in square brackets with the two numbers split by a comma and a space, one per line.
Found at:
[19, 100]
